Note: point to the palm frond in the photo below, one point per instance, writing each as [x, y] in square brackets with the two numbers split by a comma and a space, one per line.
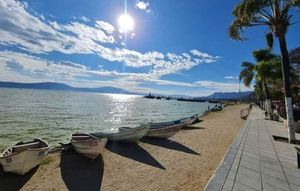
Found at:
[244, 13]
[246, 76]
[247, 73]
[263, 55]
[271, 13]
[248, 65]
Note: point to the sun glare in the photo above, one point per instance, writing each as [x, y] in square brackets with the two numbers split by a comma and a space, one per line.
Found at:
[126, 23]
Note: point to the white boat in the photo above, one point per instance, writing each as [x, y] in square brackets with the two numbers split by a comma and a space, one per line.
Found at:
[126, 134]
[24, 156]
[189, 120]
[88, 145]
[164, 129]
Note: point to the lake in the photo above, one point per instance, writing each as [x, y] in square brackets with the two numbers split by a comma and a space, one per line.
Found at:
[54, 115]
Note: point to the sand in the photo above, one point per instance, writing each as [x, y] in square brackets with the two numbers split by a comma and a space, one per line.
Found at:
[184, 162]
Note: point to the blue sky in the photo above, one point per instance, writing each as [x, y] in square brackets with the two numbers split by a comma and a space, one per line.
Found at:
[174, 47]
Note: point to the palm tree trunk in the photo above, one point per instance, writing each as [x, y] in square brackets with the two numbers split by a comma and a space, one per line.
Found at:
[267, 96]
[285, 62]
[262, 95]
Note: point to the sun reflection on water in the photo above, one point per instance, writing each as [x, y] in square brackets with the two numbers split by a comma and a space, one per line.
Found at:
[122, 97]
[120, 110]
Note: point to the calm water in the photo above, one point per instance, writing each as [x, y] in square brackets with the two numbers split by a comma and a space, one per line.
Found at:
[54, 115]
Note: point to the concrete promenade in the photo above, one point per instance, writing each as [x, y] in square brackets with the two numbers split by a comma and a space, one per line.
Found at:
[255, 161]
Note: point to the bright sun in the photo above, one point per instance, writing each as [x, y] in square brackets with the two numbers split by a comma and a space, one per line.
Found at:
[126, 23]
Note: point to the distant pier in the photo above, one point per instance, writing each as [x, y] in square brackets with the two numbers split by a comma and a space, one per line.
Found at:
[150, 96]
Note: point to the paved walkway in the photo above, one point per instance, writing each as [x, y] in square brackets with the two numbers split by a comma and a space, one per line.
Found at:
[256, 162]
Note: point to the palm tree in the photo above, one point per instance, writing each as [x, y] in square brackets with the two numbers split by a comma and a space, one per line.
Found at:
[274, 14]
[259, 91]
[264, 70]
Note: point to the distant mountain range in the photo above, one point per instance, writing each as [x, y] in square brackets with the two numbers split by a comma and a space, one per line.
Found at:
[108, 89]
[60, 86]
[231, 95]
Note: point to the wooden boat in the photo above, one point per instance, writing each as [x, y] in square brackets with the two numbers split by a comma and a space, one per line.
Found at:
[24, 156]
[164, 129]
[189, 120]
[126, 134]
[88, 145]
[163, 124]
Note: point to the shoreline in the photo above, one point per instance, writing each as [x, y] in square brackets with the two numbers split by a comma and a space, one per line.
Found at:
[184, 162]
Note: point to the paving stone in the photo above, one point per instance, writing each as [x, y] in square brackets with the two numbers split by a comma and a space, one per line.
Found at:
[228, 185]
[253, 156]
[241, 187]
[293, 180]
[290, 165]
[292, 172]
[249, 177]
[273, 171]
[274, 187]
[295, 187]
[275, 167]
[271, 181]
[250, 165]
[232, 174]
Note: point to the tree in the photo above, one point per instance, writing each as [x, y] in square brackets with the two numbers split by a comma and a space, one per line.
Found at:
[267, 68]
[295, 56]
[295, 63]
[276, 16]
[259, 92]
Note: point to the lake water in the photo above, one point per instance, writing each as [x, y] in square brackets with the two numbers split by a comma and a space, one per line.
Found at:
[54, 115]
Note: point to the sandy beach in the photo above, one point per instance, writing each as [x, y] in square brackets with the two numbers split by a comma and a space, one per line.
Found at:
[184, 162]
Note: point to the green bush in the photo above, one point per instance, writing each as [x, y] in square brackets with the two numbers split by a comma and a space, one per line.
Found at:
[274, 116]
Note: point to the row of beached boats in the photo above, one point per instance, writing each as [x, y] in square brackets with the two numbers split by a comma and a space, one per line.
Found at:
[24, 156]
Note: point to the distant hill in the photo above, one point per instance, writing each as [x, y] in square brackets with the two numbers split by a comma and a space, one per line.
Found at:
[60, 86]
[108, 89]
[231, 95]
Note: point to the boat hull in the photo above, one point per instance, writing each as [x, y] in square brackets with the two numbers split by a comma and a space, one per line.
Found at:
[132, 135]
[189, 121]
[91, 148]
[164, 132]
[23, 162]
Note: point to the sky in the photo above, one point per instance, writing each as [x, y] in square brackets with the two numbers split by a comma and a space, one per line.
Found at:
[171, 47]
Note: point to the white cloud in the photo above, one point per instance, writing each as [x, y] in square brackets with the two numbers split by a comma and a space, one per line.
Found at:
[206, 86]
[20, 67]
[231, 77]
[29, 33]
[82, 18]
[32, 34]
[105, 26]
[142, 5]
[85, 32]
[222, 86]
[203, 55]
[85, 19]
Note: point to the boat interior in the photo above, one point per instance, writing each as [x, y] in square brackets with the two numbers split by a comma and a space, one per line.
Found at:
[81, 137]
[22, 146]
